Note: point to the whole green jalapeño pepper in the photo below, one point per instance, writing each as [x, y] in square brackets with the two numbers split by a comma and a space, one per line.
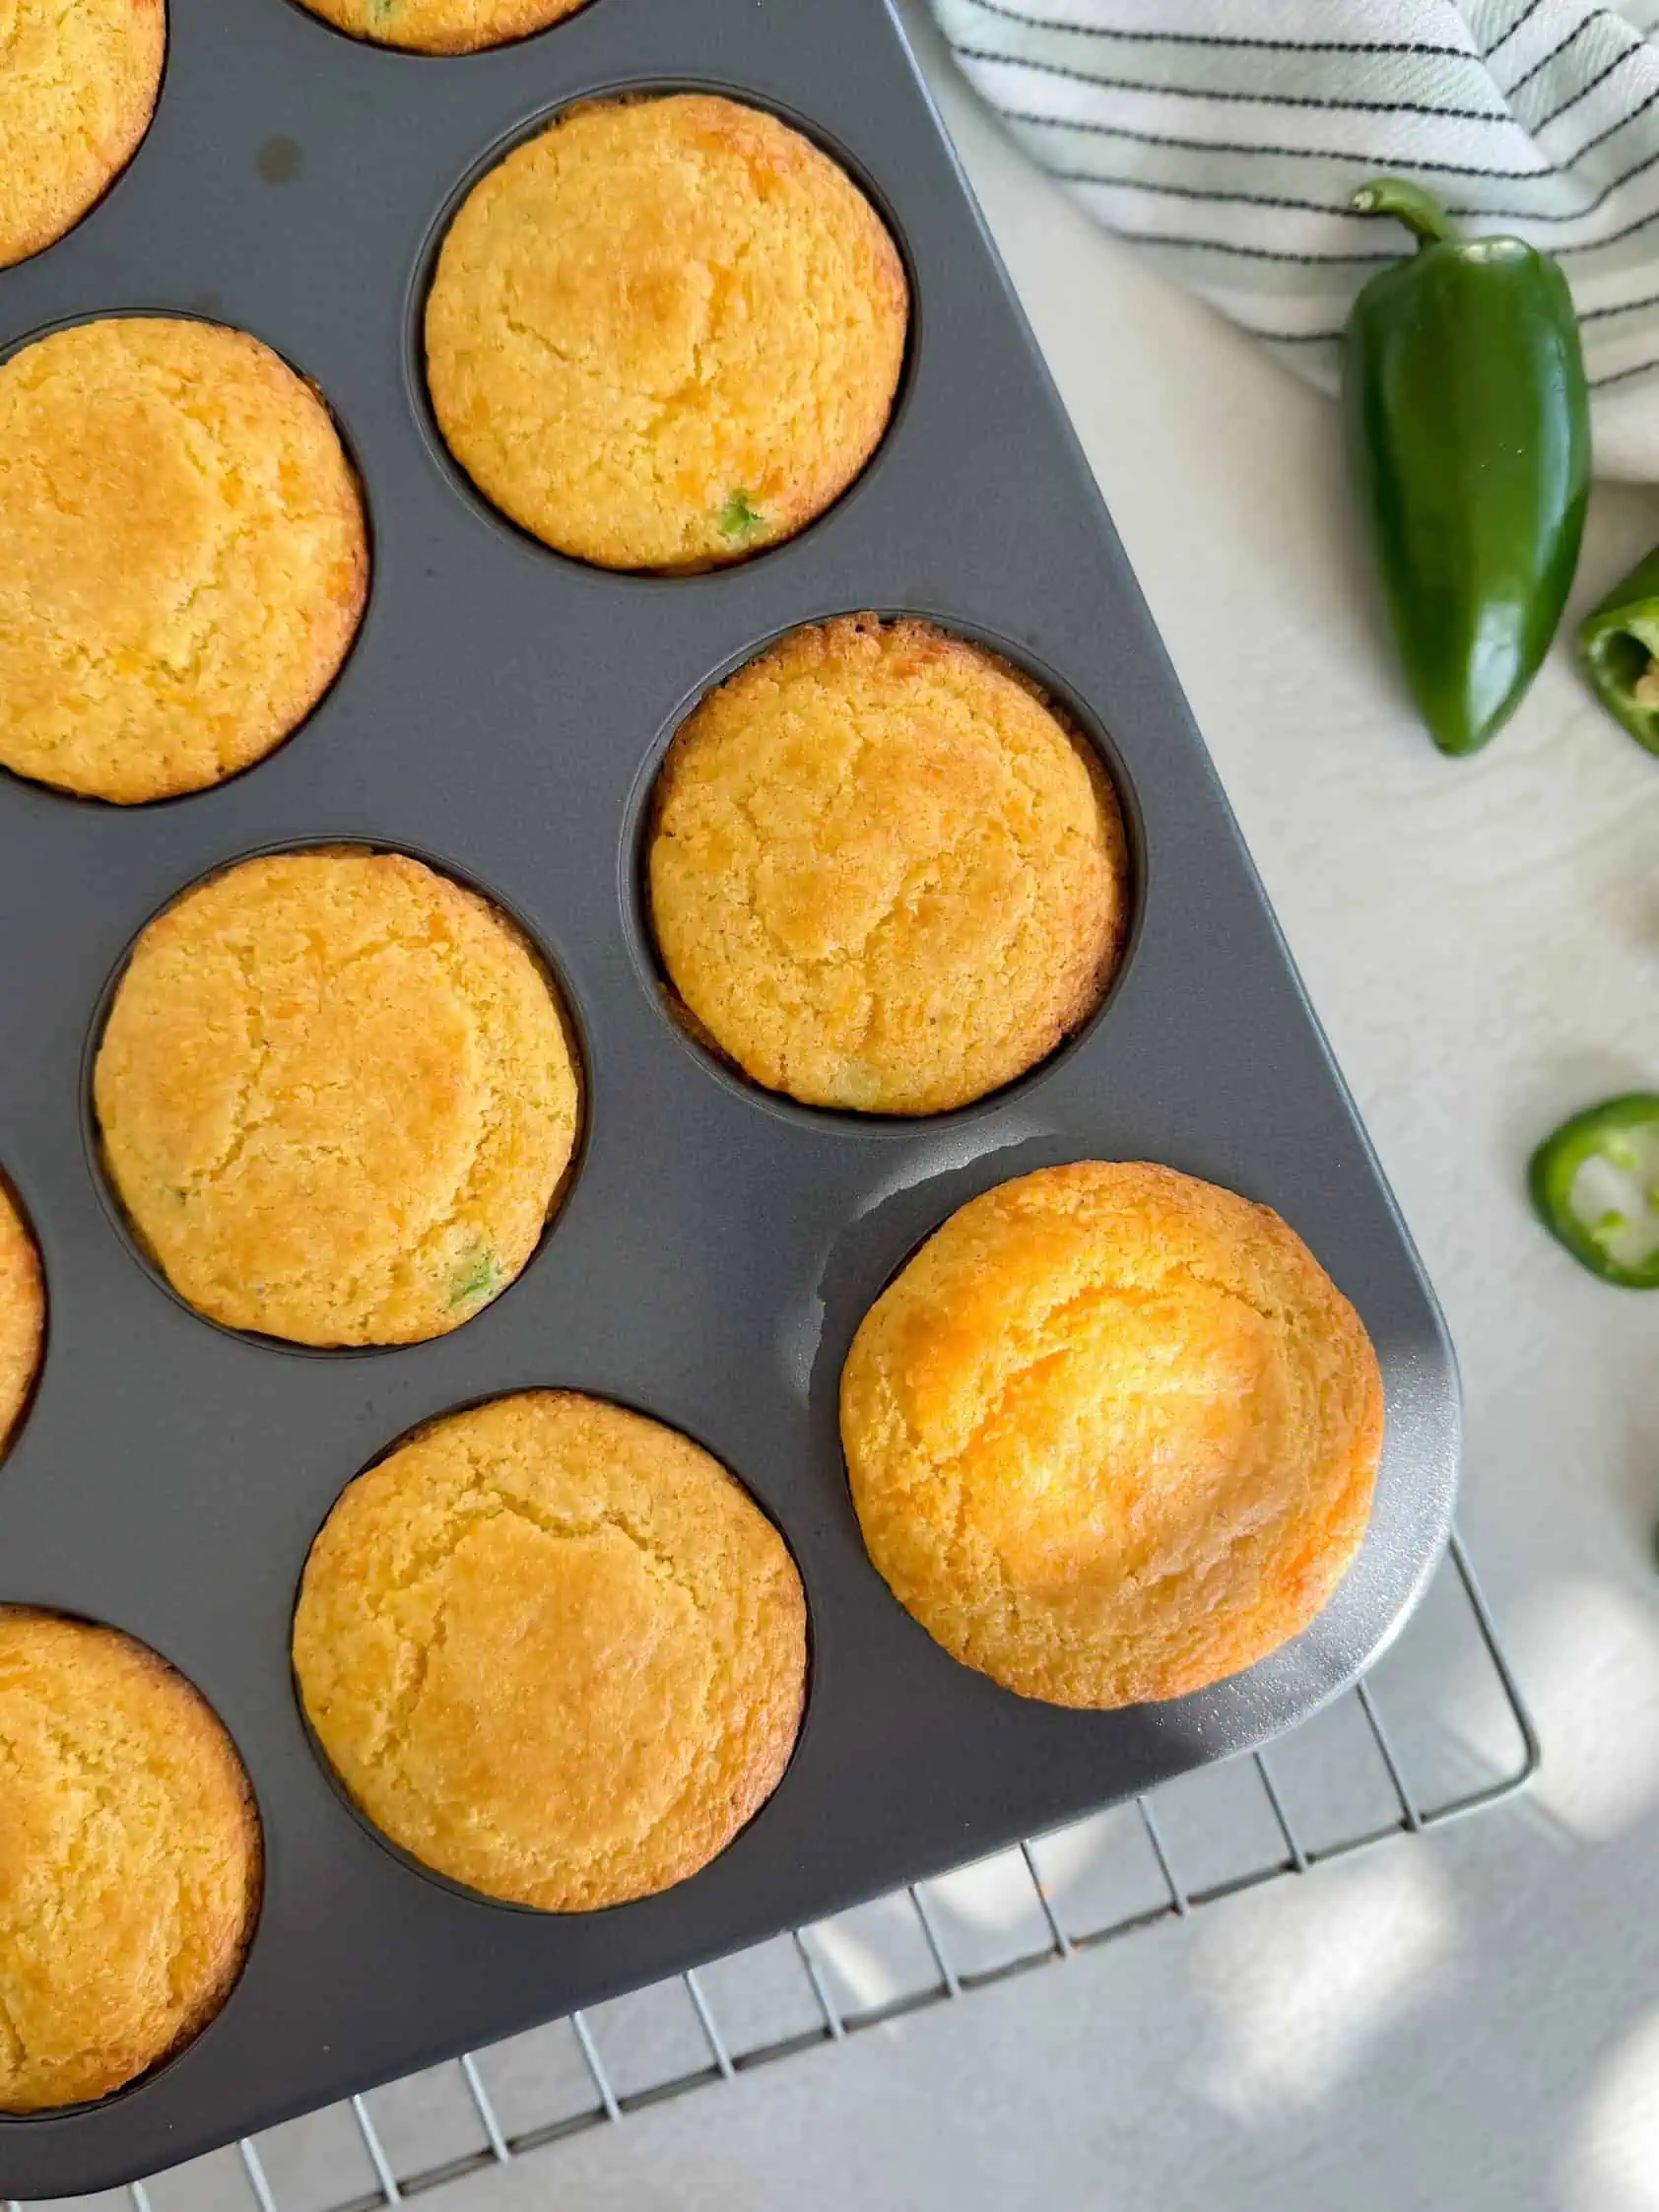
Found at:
[1620, 647]
[1595, 1186]
[1469, 436]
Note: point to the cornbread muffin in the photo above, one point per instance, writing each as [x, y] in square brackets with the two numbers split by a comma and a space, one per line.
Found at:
[183, 559]
[553, 1652]
[129, 1861]
[22, 1315]
[337, 1098]
[78, 86]
[666, 333]
[882, 874]
[1113, 1434]
[442, 26]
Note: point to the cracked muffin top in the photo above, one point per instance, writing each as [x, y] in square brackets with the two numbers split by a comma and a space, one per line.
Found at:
[78, 85]
[129, 1861]
[442, 26]
[337, 1098]
[554, 1651]
[22, 1316]
[183, 556]
[666, 333]
[1113, 1434]
[884, 875]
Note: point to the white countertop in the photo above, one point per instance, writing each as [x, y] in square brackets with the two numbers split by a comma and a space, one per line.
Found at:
[1471, 2019]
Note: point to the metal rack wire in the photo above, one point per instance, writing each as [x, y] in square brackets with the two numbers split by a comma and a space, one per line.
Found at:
[1439, 1732]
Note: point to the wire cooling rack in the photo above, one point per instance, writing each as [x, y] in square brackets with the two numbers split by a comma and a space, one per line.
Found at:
[1438, 1731]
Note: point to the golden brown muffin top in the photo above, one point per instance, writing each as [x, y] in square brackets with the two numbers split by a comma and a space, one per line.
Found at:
[883, 873]
[337, 1098]
[1113, 1433]
[442, 26]
[22, 1316]
[666, 333]
[554, 1651]
[129, 1861]
[183, 557]
[78, 85]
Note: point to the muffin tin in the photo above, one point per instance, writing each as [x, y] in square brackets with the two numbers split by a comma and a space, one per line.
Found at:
[502, 715]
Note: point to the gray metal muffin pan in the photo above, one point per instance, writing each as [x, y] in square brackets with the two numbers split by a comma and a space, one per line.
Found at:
[503, 714]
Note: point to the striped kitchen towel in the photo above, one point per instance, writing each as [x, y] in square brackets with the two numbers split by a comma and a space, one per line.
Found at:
[1223, 138]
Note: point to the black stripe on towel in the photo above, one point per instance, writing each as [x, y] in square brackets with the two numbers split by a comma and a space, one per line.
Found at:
[1217, 40]
[1227, 198]
[1249, 252]
[1254, 100]
[1520, 23]
[1622, 375]
[1365, 161]
[1600, 78]
[1521, 83]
